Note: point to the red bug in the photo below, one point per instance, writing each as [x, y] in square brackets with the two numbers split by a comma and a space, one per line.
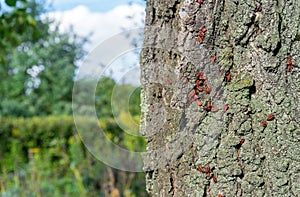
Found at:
[201, 35]
[192, 94]
[199, 103]
[208, 175]
[200, 169]
[290, 64]
[270, 117]
[203, 170]
[199, 1]
[207, 89]
[289, 60]
[199, 75]
[208, 107]
[290, 68]
[228, 77]
[203, 29]
[199, 38]
[225, 108]
[213, 58]
[152, 108]
[185, 80]
[215, 179]
[242, 141]
[220, 195]
[263, 123]
[207, 169]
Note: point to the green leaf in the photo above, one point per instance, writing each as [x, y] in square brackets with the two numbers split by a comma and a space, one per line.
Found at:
[30, 20]
[35, 33]
[11, 3]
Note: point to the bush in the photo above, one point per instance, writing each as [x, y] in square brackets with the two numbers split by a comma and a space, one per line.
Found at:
[44, 156]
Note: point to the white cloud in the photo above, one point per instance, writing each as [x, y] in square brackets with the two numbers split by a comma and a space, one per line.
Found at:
[102, 25]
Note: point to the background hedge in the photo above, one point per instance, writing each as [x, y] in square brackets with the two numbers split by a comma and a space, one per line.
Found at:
[44, 156]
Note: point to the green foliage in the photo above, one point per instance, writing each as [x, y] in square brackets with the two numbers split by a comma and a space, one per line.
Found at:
[49, 66]
[11, 107]
[103, 95]
[38, 72]
[11, 2]
[126, 98]
[45, 157]
[134, 102]
[110, 98]
[13, 24]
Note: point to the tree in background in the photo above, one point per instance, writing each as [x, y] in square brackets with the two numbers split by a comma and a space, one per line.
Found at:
[18, 19]
[222, 78]
[37, 76]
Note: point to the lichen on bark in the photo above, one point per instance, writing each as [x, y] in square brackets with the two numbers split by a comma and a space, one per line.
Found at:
[251, 42]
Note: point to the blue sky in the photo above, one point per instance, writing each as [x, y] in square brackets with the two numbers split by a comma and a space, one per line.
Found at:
[93, 5]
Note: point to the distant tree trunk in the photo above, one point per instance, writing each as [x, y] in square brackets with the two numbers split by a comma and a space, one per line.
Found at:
[220, 88]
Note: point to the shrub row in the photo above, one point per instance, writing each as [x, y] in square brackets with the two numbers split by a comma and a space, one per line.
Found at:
[34, 132]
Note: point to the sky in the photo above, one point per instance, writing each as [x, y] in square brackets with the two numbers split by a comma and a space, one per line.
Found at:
[101, 20]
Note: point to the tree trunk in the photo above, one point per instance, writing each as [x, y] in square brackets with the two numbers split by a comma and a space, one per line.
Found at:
[220, 97]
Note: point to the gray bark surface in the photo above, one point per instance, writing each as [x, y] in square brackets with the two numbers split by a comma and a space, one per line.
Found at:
[251, 40]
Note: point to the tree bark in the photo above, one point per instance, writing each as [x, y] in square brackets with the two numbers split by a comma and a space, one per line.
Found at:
[220, 88]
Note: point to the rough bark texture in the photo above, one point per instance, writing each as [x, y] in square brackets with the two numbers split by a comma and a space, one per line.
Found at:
[252, 42]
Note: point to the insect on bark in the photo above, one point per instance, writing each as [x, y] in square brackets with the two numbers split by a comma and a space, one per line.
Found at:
[242, 141]
[263, 123]
[270, 117]
[228, 77]
[225, 108]
[290, 64]
[215, 179]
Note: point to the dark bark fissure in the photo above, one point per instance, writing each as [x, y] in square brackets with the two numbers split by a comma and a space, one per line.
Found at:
[279, 44]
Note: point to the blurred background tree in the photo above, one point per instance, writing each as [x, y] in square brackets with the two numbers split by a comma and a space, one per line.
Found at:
[40, 152]
[19, 18]
[37, 75]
